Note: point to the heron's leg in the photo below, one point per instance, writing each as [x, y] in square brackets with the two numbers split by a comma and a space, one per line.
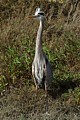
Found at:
[35, 98]
[46, 96]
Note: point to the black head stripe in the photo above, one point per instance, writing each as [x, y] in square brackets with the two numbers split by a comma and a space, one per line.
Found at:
[41, 14]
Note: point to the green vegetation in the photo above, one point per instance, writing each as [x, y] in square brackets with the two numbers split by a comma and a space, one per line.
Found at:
[61, 45]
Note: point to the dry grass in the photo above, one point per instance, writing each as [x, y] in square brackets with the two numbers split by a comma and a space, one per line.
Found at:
[18, 103]
[17, 44]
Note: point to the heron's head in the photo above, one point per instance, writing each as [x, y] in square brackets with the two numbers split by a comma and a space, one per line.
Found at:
[38, 15]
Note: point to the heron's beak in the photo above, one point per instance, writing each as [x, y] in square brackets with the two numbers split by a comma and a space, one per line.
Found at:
[32, 17]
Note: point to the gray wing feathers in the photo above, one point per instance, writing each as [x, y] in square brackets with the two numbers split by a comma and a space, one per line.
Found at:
[41, 70]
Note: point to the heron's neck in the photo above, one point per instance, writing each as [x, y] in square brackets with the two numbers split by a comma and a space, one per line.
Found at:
[39, 38]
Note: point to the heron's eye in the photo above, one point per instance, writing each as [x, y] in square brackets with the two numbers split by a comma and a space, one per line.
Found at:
[41, 14]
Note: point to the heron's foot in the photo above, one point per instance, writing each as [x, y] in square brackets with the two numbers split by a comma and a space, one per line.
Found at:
[47, 113]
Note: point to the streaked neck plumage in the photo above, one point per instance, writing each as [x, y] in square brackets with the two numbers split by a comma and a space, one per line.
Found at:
[38, 49]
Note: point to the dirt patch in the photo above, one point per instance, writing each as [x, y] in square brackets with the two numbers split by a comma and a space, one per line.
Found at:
[18, 103]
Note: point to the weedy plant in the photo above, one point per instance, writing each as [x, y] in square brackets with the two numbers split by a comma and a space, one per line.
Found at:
[18, 50]
[72, 97]
[17, 64]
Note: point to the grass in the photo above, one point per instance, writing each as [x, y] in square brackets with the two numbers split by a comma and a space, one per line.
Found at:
[17, 47]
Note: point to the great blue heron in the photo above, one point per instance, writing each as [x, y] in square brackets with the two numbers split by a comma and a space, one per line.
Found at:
[41, 69]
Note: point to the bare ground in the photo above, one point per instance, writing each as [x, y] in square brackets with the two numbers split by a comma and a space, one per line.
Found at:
[18, 104]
